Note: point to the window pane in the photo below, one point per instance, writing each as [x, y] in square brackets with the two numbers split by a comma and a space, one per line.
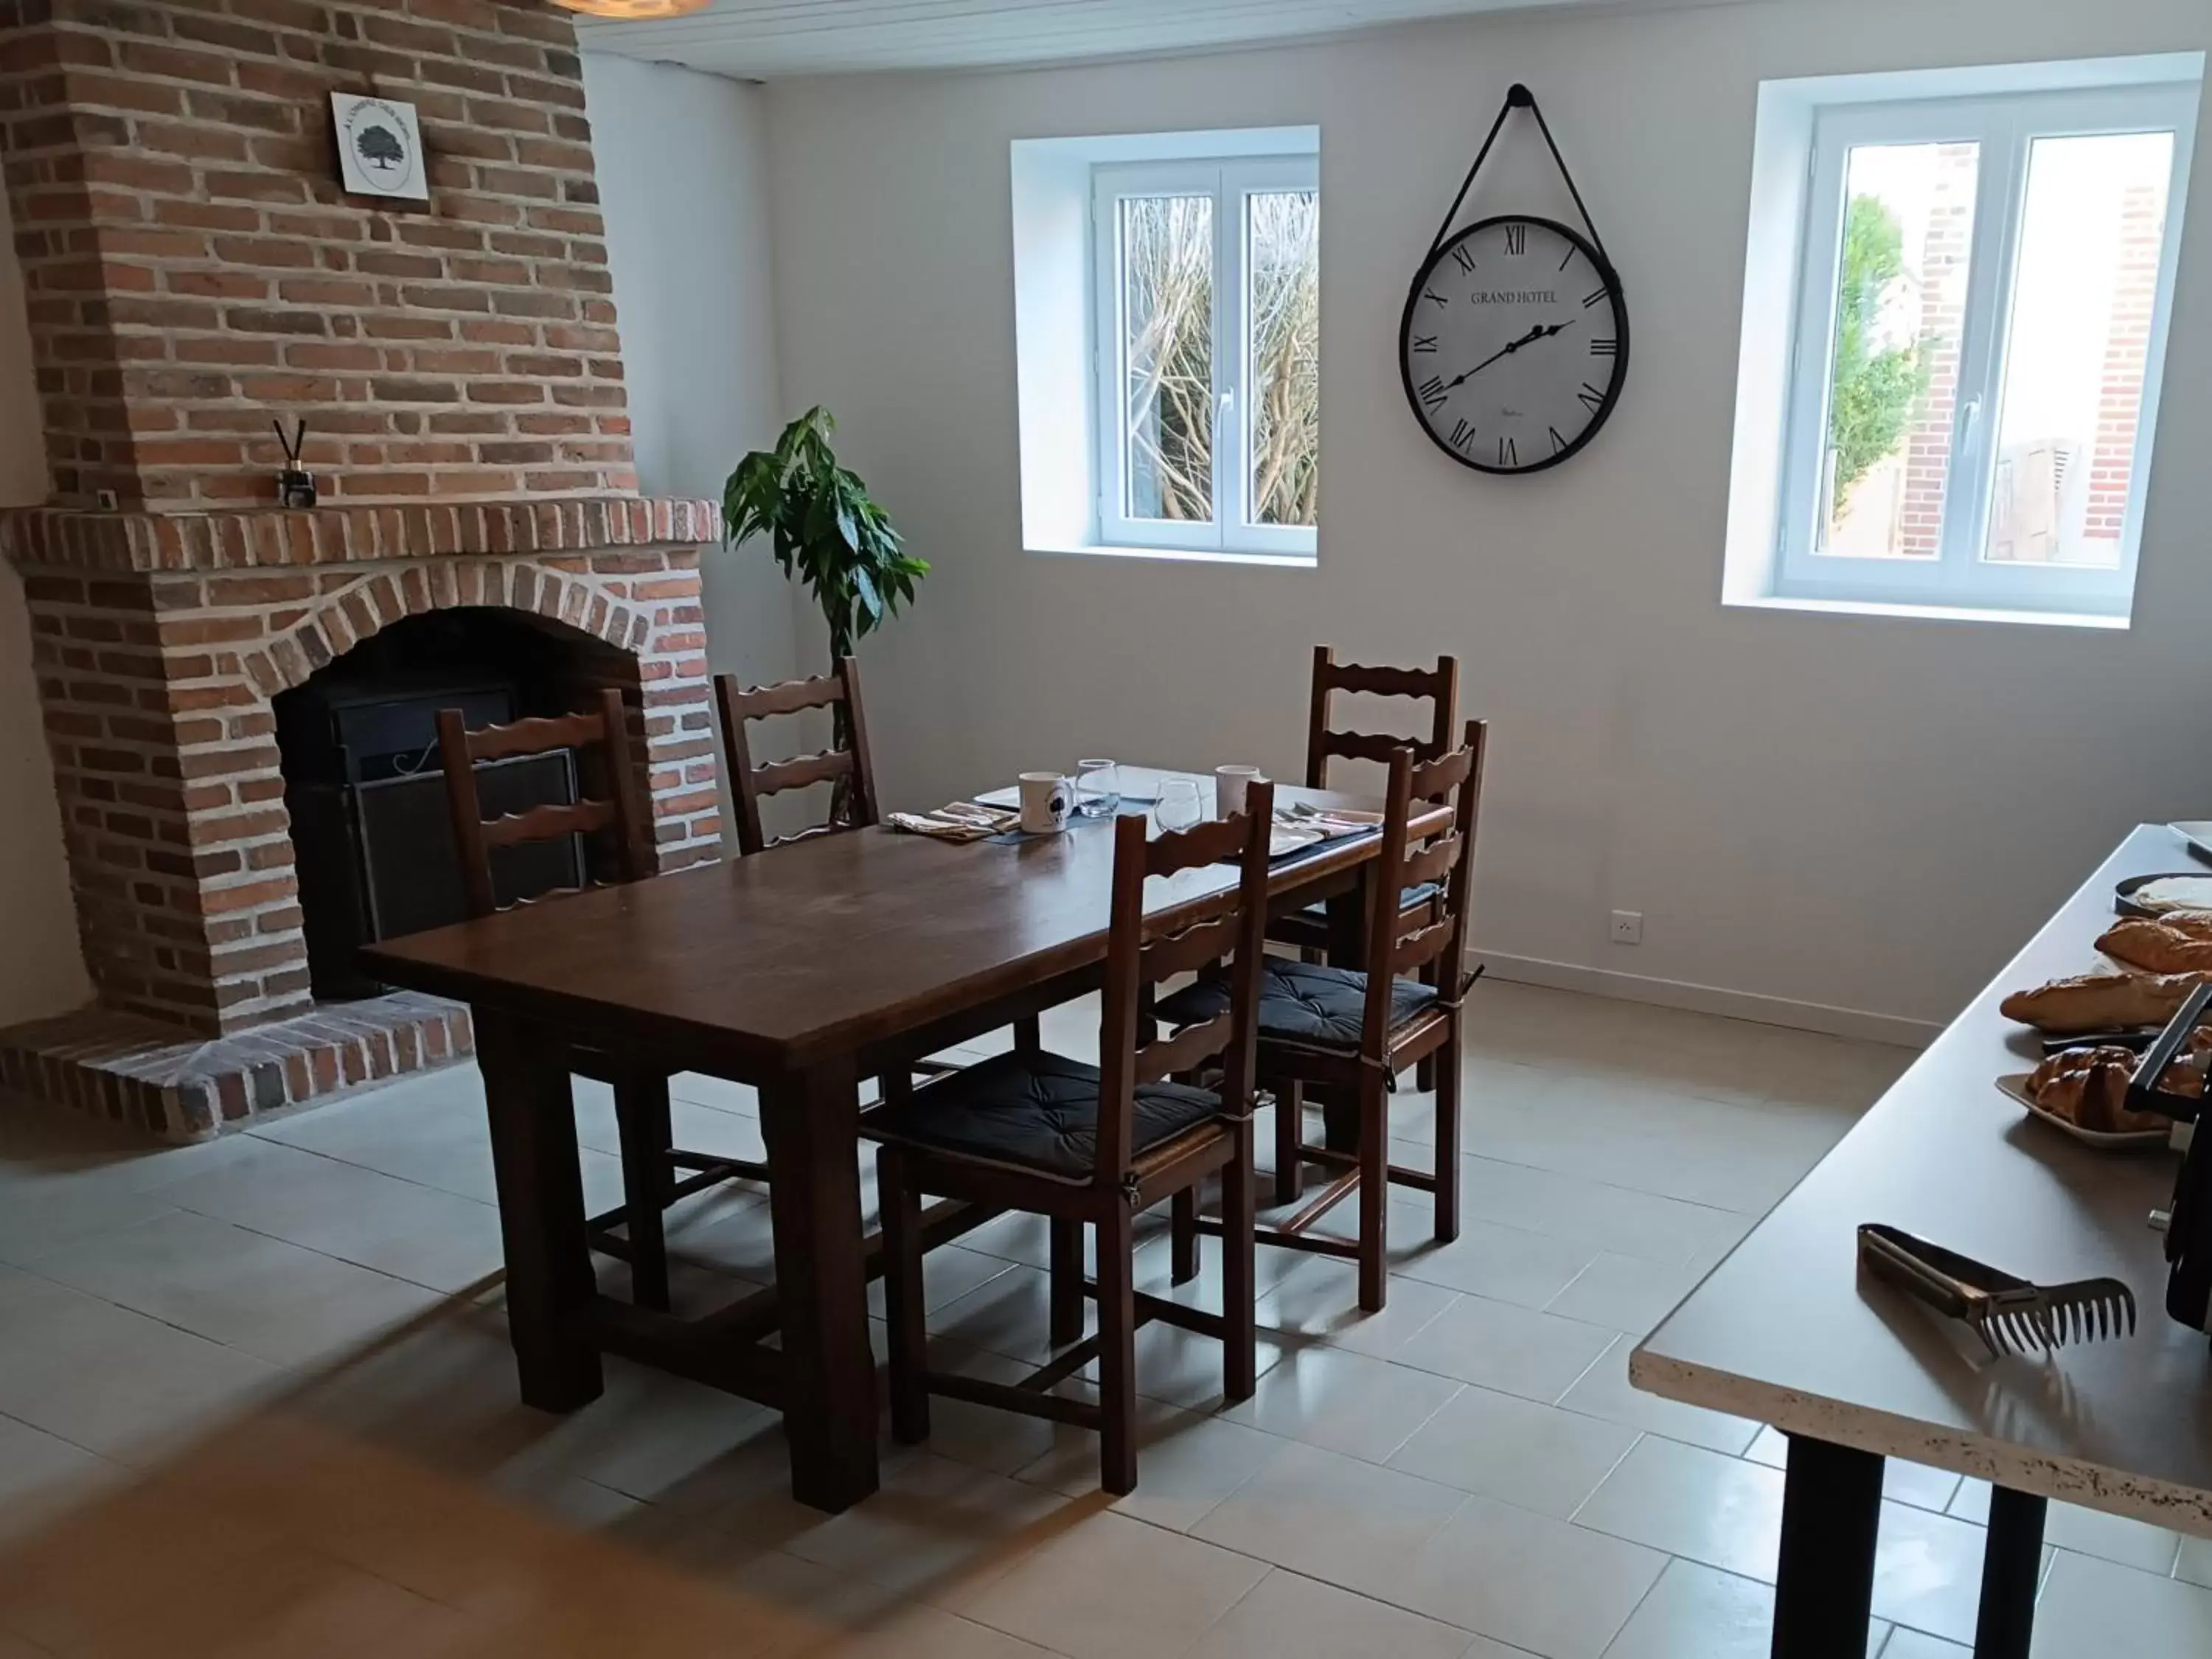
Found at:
[2091, 238]
[1901, 295]
[1166, 394]
[1283, 244]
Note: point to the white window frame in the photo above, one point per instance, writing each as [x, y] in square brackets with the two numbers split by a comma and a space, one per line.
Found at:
[2006, 126]
[1230, 182]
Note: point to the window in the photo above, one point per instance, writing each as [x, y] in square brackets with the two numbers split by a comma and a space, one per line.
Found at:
[1207, 328]
[1167, 288]
[1975, 344]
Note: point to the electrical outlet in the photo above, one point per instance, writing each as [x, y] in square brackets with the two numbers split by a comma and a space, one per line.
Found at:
[1628, 926]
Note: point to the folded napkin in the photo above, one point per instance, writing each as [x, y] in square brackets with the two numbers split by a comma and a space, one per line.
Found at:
[962, 820]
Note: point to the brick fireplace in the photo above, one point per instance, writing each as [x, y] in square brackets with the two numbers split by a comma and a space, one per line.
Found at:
[193, 272]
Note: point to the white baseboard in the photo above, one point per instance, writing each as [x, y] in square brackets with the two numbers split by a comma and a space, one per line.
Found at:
[1710, 999]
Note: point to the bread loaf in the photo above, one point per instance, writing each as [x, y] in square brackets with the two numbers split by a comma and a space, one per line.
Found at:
[2156, 946]
[2097, 1002]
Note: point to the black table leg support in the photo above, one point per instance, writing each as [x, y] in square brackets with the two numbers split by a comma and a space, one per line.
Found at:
[1823, 1582]
[2012, 1564]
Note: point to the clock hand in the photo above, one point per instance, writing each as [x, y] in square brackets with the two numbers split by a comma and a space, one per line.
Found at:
[1540, 331]
[1536, 333]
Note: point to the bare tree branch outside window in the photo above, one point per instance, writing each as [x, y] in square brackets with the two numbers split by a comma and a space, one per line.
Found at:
[1167, 276]
[1284, 238]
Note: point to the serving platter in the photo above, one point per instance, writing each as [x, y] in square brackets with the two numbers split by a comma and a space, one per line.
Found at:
[2124, 895]
[2014, 1086]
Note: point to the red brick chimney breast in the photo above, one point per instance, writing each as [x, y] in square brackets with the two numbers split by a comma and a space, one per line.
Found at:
[192, 268]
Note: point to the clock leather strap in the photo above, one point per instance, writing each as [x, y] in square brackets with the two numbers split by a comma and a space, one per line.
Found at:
[1519, 97]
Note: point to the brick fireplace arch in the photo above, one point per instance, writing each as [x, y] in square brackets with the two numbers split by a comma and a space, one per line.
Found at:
[158, 663]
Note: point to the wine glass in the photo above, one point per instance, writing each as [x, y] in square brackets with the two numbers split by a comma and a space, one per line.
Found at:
[1097, 788]
[1179, 806]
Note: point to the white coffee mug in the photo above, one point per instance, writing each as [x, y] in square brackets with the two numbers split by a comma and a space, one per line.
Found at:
[1229, 783]
[1046, 799]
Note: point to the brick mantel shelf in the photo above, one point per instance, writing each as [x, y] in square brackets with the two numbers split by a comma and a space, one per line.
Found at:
[249, 539]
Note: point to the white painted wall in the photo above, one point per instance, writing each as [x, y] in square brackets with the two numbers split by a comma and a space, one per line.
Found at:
[1856, 813]
[682, 159]
[41, 968]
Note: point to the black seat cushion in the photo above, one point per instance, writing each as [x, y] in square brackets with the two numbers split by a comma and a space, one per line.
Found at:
[1409, 898]
[1302, 1005]
[1038, 1113]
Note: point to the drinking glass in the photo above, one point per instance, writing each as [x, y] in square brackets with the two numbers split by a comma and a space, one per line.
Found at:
[1097, 788]
[1179, 806]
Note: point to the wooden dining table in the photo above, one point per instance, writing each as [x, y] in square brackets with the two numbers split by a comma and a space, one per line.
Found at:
[799, 971]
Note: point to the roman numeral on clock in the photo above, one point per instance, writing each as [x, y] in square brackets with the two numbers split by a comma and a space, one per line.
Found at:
[1462, 437]
[1605, 348]
[1590, 397]
[1558, 442]
[1433, 297]
[1508, 455]
[1462, 258]
[1602, 293]
[1425, 343]
[1434, 391]
[1516, 239]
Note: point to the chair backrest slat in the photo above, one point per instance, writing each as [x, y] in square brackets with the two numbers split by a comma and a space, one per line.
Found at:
[847, 766]
[1203, 942]
[1438, 686]
[621, 810]
[800, 770]
[1140, 953]
[544, 823]
[1433, 862]
[536, 735]
[1422, 945]
[1184, 1051]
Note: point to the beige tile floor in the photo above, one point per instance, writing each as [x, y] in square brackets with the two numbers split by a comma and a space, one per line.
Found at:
[255, 1399]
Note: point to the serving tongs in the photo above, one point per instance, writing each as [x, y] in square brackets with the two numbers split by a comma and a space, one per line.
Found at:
[2009, 1315]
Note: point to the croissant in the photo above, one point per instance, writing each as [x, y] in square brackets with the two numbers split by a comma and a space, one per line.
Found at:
[2096, 1002]
[2155, 946]
[2088, 1088]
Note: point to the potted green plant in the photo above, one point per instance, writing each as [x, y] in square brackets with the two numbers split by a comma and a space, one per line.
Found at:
[823, 528]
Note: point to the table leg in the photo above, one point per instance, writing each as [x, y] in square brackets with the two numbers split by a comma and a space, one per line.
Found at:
[541, 1210]
[1823, 1582]
[809, 1120]
[2012, 1564]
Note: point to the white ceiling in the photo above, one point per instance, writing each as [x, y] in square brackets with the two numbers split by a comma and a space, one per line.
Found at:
[766, 40]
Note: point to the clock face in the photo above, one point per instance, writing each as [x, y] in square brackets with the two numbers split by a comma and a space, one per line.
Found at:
[1513, 344]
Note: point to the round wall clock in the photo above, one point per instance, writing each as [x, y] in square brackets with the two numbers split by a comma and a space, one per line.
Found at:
[1513, 344]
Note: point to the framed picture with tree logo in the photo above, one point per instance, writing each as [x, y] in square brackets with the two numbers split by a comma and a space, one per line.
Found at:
[379, 147]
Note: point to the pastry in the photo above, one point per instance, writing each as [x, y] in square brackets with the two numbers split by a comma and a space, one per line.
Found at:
[2156, 947]
[2174, 893]
[2097, 1002]
[2088, 1087]
[2197, 924]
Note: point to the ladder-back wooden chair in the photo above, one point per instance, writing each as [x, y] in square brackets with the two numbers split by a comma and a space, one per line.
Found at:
[655, 1173]
[1343, 1034]
[1309, 929]
[1095, 1146]
[845, 766]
